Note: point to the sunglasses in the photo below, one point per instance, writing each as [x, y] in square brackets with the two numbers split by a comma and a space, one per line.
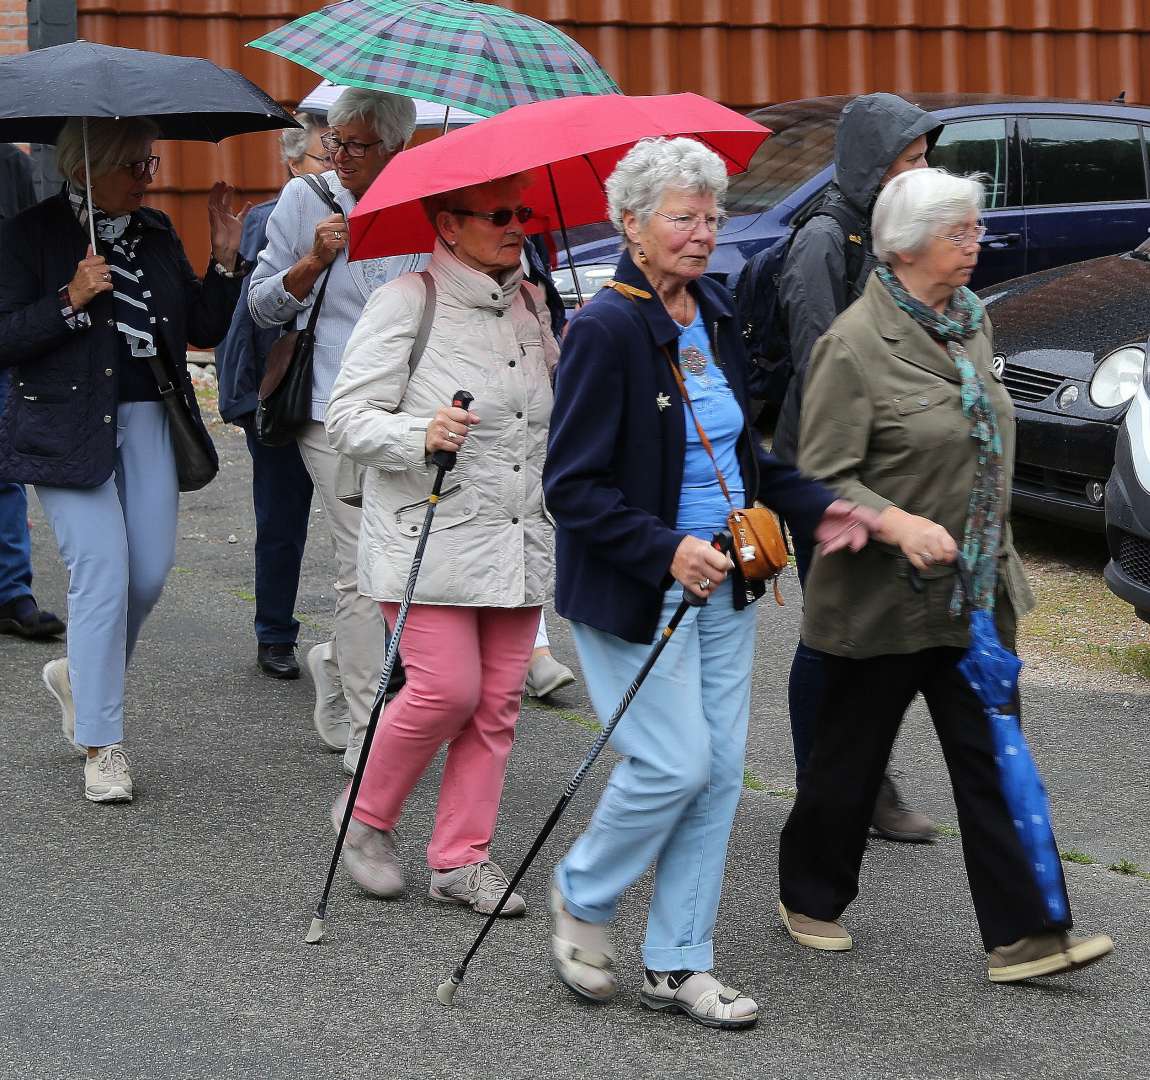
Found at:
[500, 218]
[144, 167]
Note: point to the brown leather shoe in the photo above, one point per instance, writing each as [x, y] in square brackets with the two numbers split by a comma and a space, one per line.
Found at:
[894, 820]
[815, 933]
[1045, 954]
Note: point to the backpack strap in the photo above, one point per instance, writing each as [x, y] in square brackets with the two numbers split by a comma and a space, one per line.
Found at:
[855, 233]
[425, 321]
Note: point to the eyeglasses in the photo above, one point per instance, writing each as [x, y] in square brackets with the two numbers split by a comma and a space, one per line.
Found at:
[353, 149]
[144, 167]
[499, 218]
[972, 235]
[688, 223]
[323, 159]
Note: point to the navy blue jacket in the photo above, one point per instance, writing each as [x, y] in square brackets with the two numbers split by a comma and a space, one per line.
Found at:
[59, 426]
[614, 468]
[242, 358]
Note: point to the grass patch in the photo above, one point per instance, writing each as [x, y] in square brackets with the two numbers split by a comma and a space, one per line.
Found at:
[182, 570]
[1079, 857]
[1129, 869]
[781, 793]
[240, 594]
[949, 831]
[751, 782]
[1128, 659]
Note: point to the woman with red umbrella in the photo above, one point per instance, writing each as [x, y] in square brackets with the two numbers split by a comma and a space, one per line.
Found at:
[469, 634]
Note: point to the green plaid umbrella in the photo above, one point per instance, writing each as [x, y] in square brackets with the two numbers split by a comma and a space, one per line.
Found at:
[483, 58]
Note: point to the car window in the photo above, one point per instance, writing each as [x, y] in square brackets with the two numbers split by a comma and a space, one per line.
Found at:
[976, 146]
[786, 161]
[1083, 161]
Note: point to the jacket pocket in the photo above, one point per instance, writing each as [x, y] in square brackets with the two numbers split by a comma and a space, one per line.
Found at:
[451, 510]
[927, 417]
[45, 421]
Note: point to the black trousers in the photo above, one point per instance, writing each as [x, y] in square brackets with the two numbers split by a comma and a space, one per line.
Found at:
[825, 836]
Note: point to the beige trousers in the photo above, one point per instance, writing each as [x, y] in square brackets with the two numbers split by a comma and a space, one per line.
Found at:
[359, 639]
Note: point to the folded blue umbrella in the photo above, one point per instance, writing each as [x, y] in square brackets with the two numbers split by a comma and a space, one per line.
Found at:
[992, 672]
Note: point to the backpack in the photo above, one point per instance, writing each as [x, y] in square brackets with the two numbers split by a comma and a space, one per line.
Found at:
[757, 307]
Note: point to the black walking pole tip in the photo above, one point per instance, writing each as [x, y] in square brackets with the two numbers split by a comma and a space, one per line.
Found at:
[446, 990]
[315, 931]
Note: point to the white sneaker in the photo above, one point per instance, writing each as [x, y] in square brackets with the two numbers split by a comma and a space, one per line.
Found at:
[546, 675]
[56, 678]
[331, 718]
[106, 776]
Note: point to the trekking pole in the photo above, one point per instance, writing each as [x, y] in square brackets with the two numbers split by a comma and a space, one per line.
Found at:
[445, 460]
[447, 989]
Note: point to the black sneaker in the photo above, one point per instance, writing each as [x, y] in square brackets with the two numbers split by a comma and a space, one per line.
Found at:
[22, 618]
[278, 661]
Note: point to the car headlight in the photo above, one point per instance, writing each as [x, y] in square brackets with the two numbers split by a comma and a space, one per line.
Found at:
[1116, 378]
[591, 279]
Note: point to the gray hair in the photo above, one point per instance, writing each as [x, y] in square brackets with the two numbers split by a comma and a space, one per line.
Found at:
[294, 141]
[391, 116]
[110, 144]
[652, 166]
[914, 205]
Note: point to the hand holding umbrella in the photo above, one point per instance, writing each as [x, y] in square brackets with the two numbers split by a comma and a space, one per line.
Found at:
[92, 278]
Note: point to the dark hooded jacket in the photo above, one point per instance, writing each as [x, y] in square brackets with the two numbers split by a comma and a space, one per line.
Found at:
[873, 131]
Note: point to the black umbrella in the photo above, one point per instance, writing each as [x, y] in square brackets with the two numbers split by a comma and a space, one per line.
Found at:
[187, 97]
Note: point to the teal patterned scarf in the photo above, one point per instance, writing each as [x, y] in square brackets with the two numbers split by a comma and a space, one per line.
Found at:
[982, 534]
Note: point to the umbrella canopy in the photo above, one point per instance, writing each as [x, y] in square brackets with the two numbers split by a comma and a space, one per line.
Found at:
[428, 114]
[571, 144]
[992, 672]
[482, 58]
[187, 97]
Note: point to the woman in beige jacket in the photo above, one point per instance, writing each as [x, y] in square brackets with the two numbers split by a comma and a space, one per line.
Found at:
[488, 568]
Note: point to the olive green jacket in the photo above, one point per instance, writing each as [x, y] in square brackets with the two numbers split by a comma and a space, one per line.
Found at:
[882, 425]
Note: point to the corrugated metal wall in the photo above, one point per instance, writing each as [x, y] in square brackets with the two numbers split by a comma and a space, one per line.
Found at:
[741, 52]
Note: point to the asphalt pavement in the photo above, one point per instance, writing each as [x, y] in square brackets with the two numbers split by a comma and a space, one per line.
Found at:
[164, 939]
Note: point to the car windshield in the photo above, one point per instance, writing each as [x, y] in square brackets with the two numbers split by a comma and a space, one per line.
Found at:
[786, 161]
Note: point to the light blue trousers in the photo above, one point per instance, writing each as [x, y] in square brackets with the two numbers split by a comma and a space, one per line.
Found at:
[671, 801]
[118, 542]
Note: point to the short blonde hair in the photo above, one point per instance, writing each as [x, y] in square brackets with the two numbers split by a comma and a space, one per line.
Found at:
[916, 204]
[110, 144]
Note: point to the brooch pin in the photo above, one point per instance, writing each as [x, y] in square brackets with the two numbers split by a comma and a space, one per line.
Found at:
[663, 402]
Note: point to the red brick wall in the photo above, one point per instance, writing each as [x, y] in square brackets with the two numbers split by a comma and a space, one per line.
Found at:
[13, 26]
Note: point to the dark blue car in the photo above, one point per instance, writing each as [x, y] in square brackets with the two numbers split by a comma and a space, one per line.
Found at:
[1066, 181]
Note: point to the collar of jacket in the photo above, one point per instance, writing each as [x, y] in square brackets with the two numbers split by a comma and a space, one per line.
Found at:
[470, 287]
[148, 218]
[907, 340]
[664, 329]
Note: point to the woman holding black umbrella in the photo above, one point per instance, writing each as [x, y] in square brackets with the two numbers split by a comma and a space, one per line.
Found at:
[81, 331]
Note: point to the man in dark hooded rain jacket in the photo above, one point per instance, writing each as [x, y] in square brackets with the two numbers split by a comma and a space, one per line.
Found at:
[879, 136]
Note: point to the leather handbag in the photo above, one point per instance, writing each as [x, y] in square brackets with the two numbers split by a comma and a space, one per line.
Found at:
[285, 392]
[195, 462]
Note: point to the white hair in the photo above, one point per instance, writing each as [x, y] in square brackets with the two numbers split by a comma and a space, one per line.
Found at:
[652, 166]
[110, 144]
[294, 141]
[391, 116]
[916, 204]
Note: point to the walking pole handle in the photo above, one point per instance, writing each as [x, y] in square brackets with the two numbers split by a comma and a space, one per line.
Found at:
[722, 542]
[445, 459]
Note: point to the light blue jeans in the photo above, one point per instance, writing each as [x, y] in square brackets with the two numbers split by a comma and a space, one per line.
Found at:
[118, 542]
[672, 799]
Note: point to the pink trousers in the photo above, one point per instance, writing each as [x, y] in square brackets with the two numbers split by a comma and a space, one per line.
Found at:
[465, 673]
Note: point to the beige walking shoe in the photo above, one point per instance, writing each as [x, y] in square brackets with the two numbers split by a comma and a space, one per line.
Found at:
[330, 716]
[59, 684]
[699, 995]
[369, 855]
[815, 933]
[546, 675]
[478, 886]
[1045, 954]
[107, 777]
[583, 954]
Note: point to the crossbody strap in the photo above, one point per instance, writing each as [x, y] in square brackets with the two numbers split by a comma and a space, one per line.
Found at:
[325, 194]
[425, 321]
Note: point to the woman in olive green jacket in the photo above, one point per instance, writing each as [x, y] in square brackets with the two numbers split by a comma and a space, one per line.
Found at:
[903, 414]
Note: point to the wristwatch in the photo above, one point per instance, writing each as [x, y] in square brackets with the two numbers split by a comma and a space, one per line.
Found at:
[243, 266]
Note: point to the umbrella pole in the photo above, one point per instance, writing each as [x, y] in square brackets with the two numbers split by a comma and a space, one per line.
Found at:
[88, 187]
[446, 116]
[563, 233]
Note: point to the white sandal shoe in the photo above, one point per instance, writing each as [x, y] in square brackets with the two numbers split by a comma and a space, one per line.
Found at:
[699, 995]
[583, 953]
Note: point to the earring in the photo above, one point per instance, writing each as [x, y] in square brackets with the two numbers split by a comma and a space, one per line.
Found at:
[642, 256]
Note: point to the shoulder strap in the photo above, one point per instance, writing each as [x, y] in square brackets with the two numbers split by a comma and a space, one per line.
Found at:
[854, 234]
[529, 300]
[323, 191]
[425, 320]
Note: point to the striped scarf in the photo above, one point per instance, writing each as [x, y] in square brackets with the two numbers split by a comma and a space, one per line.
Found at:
[982, 533]
[120, 236]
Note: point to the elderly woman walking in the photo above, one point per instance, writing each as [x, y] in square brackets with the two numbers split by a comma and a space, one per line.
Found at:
[648, 368]
[84, 420]
[488, 567]
[903, 414]
[305, 237]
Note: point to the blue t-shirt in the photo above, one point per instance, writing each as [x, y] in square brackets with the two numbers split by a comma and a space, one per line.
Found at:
[703, 509]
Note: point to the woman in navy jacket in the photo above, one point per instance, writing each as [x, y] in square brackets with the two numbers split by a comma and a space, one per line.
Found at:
[84, 421]
[636, 499]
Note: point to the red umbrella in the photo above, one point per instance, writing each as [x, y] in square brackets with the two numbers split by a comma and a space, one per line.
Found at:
[572, 143]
